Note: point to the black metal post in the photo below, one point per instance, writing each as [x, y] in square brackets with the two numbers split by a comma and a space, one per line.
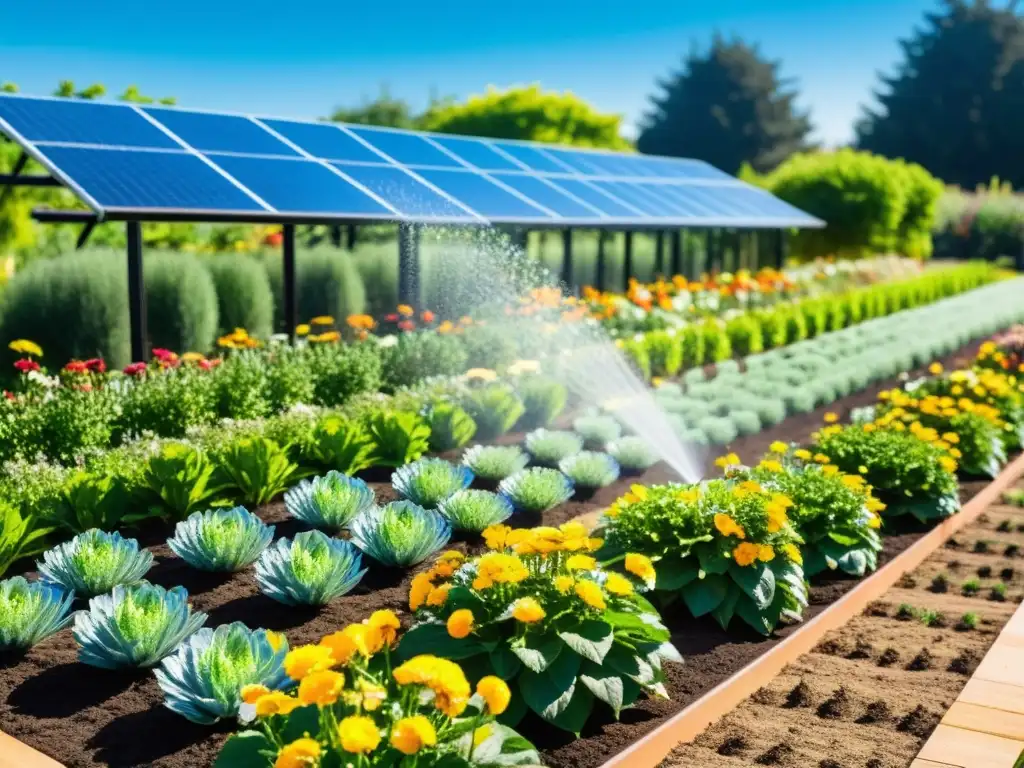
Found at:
[627, 257]
[686, 260]
[350, 240]
[136, 292]
[602, 265]
[781, 248]
[714, 250]
[291, 303]
[409, 264]
[659, 254]
[677, 252]
[567, 258]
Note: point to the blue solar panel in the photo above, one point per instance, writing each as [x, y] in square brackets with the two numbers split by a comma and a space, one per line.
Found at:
[406, 148]
[402, 191]
[688, 204]
[324, 140]
[477, 153]
[221, 133]
[121, 178]
[533, 159]
[592, 196]
[300, 186]
[82, 122]
[550, 197]
[482, 195]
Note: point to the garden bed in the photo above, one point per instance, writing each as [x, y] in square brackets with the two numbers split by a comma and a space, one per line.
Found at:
[81, 715]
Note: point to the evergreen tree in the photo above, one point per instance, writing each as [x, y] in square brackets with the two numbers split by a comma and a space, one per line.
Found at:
[727, 106]
[956, 102]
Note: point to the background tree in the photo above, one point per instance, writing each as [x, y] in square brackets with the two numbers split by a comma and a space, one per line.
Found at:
[530, 114]
[956, 102]
[727, 106]
[383, 110]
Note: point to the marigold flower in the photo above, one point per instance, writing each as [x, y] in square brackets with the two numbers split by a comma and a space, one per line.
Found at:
[387, 624]
[951, 437]
[419, 590]
[580, 563]
[250, 693]
[322, 320]
[564, 583]
[438, 595]
[618, 585]
[728, 527]
[495, 692]
[590, 593]
[460, 623]
[495, 536]
[778, 447]
[302, 329]
[527, 610]
[802, 453]
[405, 310]
[729, 460]
[746, 553]
[793, 553]
[363, 639]
[275, 703]
[765, 553]
[445, 678]
[948, 463]
[831, 418]
[300, 661]
[427, 316]
[935, 369]
[640, 566]
[323, 687]
[411, 734]
[358, 734]
[25, 347]
[301, 753]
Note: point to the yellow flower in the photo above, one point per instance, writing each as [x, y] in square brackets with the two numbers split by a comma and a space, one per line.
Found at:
[590, 593]
[935, 369]
[951, 437]
[363, 639]
[793, 553]
[26, 347]
[955, 453]
[831, 418]
[778, 447]
[387, 624]
[322, 320]
[275, 703]
[405, 310]
[580, 563]
[777, 517]
[300, 661]
[729, 460]
[874, 504]
[528, 610]
[770, 465]
[419, 590]
[874, 521]
[495, 692]
[948, 463]
[301, 753]
[250, 693]
[829, 470]
[821, 458]
[481, 374]
[480, 735]
[618, 585]
[302, 329]
[438, 595]
[729, 527]
[276, 640]
[640, 566]
[460, 623]
[765, 553]
[445, 678]
[358, 734]
[323, 687]
[411, 734]
[852, 482]
[689, 495]
[802, 453]
[746, 553]
[862, 469]
[564, 583]
[371, 695]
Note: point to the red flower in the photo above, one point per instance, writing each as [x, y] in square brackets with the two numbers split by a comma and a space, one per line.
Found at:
[406, 325]
[164, 354]
[87, 387]
[76, 366]
[96, 365]
[205, 364]
[9, 395]
[392, 318]
[274, 238]
[26, 365]
[135, 369]
[428, 316]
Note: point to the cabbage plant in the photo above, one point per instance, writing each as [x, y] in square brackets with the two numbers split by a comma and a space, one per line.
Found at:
[495, 462]
[590, 469]
[472, 510]
[311, 569]
[401, 533]
[428, 482]
[597, 430]
[220, 539]
[550, 446]
[31, 612]
[634, 454]
[94, 562]
[202, 681]
[329, 502]
[134, 626]
[537, 489]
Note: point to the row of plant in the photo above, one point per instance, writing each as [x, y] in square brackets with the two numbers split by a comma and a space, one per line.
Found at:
[819, 371]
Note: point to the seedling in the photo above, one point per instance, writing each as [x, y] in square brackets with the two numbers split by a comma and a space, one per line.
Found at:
[967, 622]
[971, 587]
[905, 612]
[998, 593]
[1015, 496]
[940, 584]
[932, 618]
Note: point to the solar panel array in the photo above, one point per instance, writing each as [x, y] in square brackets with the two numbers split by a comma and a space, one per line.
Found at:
[148, 161]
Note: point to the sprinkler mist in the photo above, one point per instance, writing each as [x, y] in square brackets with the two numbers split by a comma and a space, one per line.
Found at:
[486, 276]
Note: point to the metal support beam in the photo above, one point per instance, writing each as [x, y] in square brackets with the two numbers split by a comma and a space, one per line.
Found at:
[350, 240]
[567, 258]
[291, 299]
[627, 258]
[677, 252]
[602, 262]
[714, 250]
[659, 253]
[409, 264]
[136, 292]
[781, 248]
[83, 236]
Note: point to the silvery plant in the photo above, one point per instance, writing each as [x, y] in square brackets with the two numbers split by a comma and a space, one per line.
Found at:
[329, 502]
[428, 482]
[95, 562]
[311, 569]
[401, 533]
[223, 540]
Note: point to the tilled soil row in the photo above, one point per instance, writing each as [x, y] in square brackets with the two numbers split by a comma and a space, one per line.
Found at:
[870, 694]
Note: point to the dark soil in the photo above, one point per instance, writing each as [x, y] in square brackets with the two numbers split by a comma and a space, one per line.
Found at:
[835, 707]
[734, 745]
[889, 657]
[780, 754]
[921, 662]
[877, 712]
[919, 722]
[800, 696]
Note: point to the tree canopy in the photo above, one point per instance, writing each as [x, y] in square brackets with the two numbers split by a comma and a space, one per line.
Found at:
[383, 110]
[955, 104]
[727, 106]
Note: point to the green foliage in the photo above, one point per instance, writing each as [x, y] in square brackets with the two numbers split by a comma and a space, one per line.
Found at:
[745, 335]
[95, 562]
[166, 402]
[20, 536]
[312, 569]
[30, 612]
[665, 351]
[242, 388]
[244, 296]
[472, 510]
[340, 444]
[590, 469]
[633, 453]
[597, 430]
[450, 426]
[327, 282]
[289, 379]
[495, 462]
[181, 302]
[419, 355]
[400, 534]
[543, 400]
[495, 408]
[225, 540]
[329, 502]
[636, 354]
[692, 346]
[717, 345]
[536, 490]
[341, 371]
[255, 469]
[179, 478]
[72, 423]
[428, 482]
[92, 499]
[396, 437]
[548, 447]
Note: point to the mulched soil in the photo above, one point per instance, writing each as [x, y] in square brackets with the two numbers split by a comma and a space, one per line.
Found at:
[83, 716]
[872, 692]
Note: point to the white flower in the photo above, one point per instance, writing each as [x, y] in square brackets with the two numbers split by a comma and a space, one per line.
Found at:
[387, 341]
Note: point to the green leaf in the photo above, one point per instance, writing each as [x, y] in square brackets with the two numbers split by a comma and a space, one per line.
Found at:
[574, 716]
[843, 540]
[516, 709]
[537, 652]
[505, 662]
[712, 560]
[854, 562]
[301, 721]
[727, 608]
[674, 573]
[605, 684]
[550, 692]
[704, 595]
[248, 749]
[434, 639]
[757, 581]
[591, 639]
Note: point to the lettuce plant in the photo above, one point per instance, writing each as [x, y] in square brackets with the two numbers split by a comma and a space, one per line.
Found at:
[633, 453]
[203, 680]
[428, 482]
[495, 462]
[221, 539]
[537, 489]
[400, 533]
[134, 626]
[329, 502]
[95, 562]
[543, 400]
[180, 478]
[547, 447]
[597, 430]
[450, 426]
[590, 469]
[472, 510]
[340, 445]
[312, 569]
[20, 535]
[256, 469]
[495, 408]
[30, 612]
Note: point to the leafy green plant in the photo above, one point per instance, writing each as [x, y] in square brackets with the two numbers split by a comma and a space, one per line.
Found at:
[220, 539]
[428, 482]
[30, 612]
[242, 388]
[92, 500]
[968, 621]
[450, 426]
[998, 593]
[495, 408]
[134, 626]
[20, 536]
[665, 350]
[203, 679]
[312, 569]
[597, 430]
[539, 611]
[495, 462]
[547, 447]
[543, 400]
[255, 469]
[970, 587]
[932, 618]
[472, 510]
[95, 562]
[341, 371]
[180, 478]
[634, 454]
[329, 502]
[397, 437]
[400, 534]
[166, 402]
[341, 445]
[537, 489]
[590, 469]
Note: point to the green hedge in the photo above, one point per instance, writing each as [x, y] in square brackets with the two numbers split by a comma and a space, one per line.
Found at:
[327, 283]
[181, 302]
[244, 297]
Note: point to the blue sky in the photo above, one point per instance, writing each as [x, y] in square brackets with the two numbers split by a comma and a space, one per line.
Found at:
[303, 57]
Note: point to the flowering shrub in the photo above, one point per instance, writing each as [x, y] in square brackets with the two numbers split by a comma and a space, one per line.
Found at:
[1005, 352]
[727, 547]
[539, 612]
[353, 705]
[997, 390]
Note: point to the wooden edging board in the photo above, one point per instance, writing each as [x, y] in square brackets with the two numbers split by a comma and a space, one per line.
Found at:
[687, 724]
